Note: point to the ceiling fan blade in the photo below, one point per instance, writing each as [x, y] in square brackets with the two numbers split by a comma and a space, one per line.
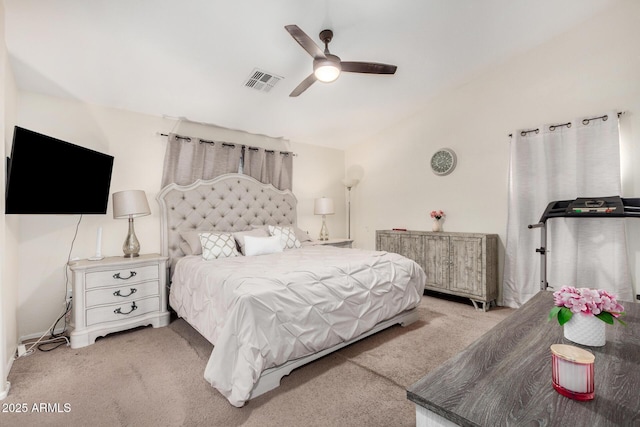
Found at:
[368, 67]
[305, 41]
[311, 79]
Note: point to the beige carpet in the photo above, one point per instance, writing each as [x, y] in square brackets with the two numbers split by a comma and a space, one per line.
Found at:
[154, 377]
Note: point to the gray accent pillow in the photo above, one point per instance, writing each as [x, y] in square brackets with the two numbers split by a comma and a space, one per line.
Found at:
[193, 240]
[302, 235]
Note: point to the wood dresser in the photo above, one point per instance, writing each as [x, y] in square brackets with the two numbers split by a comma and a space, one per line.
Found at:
[462, 264]
[504, 378]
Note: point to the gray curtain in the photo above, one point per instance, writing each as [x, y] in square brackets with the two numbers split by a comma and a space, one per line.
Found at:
[188, 159]
[269, 166]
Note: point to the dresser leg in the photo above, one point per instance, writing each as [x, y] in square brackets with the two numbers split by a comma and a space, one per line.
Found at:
[485, 305]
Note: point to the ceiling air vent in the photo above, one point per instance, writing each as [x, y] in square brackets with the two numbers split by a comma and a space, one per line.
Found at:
[262, 80]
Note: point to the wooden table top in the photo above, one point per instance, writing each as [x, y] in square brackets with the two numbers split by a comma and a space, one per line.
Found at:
[504, 378]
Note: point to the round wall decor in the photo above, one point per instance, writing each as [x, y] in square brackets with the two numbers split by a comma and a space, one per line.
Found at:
[443, 161]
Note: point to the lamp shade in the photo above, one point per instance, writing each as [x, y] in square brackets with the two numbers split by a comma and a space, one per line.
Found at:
[350, 182]
[130, 203]
[323, 206]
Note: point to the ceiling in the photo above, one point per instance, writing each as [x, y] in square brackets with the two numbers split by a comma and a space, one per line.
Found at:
[191, 58]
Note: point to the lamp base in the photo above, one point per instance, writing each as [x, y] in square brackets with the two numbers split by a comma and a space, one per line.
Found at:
[324, 232]
[131, 246]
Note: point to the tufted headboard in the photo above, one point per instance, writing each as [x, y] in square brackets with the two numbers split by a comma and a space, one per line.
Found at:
[230, 202]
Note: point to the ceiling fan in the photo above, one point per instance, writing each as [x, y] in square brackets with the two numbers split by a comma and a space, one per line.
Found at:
[326, 66]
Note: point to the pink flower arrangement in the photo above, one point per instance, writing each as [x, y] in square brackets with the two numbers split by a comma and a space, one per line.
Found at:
[437, 214]
[591, 302]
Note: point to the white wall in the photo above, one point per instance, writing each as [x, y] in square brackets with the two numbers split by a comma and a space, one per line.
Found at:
[592, 69]
[8, 268]
[138, 149]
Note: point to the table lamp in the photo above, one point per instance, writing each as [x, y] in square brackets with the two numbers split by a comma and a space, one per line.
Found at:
[323, 206]
[130, 204]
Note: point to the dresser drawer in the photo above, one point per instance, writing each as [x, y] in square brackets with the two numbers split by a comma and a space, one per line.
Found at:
[121, 294]
[125, 276]
[126, 310]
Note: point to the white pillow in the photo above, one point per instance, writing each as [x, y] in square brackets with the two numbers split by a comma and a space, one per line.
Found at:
[256, 232]
[218, 245]
[287, 236]
[261, 245]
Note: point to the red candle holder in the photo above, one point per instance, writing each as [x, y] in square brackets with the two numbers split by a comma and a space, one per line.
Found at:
[572, 371]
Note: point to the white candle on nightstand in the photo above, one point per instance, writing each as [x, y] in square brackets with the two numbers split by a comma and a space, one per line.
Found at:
[98, 256]
[99, 243]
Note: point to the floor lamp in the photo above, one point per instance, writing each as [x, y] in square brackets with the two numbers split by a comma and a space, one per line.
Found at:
[349, 183]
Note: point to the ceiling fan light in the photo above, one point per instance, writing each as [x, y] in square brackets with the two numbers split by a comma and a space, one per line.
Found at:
[326, 71]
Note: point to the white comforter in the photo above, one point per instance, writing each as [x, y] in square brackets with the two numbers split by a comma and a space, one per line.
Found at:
[262, 311]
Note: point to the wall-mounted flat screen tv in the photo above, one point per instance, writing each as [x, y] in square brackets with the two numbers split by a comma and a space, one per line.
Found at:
[48, 176]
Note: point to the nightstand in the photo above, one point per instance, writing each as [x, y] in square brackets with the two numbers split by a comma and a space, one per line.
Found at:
[115, 294]
[338, 243]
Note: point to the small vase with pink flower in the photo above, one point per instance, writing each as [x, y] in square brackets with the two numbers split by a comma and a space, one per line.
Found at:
[438, 217]
[584, 313]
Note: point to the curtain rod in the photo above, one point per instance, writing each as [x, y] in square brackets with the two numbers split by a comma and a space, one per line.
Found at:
[568, 124]
[229, 144]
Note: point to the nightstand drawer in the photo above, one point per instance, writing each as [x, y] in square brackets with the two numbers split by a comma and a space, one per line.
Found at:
[121, 277]
[121, 294]
[123, 311]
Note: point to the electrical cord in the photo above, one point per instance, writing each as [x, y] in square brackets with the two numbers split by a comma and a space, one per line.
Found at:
[60, 338]
[30, 350]
[69, 303]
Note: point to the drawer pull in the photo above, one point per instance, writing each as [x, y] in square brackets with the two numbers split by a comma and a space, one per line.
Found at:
[119, 310]
[131, 292]
[131, 274]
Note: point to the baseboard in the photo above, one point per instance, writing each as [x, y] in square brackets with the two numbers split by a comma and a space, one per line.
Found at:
[4, 392]
[24, 338]
[10, 361]
[4, 389]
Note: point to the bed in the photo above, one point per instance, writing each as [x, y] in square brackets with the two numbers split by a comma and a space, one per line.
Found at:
[269, 311]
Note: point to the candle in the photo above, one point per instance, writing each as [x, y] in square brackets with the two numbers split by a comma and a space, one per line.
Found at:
[572, 371]
[98, 256]
[99, 243]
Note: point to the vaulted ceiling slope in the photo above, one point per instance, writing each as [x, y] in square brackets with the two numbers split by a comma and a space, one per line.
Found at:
[191, 58]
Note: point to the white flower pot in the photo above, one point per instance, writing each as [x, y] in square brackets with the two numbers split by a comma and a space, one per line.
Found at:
[437, 225]
[585, 330]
